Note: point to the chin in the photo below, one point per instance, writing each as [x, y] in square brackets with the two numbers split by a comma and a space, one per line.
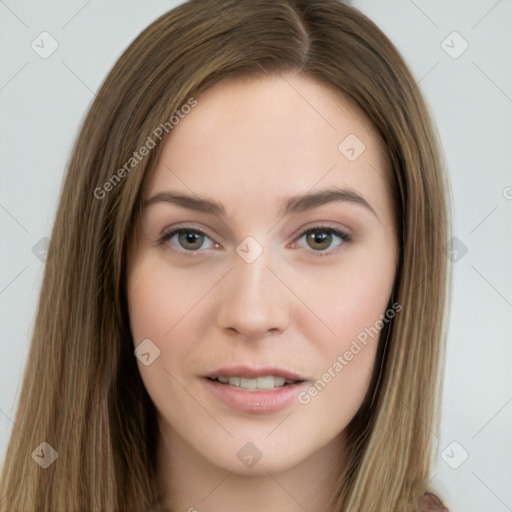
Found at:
[259, 453]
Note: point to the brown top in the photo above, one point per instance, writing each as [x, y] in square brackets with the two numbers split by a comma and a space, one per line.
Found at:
[429, 502]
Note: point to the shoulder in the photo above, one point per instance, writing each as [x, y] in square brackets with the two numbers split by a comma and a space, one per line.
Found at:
[429, 502]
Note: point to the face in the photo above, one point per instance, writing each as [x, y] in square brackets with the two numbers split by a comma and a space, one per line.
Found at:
[254, 307]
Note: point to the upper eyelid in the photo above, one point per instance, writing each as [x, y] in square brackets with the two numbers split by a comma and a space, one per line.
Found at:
[310, 225]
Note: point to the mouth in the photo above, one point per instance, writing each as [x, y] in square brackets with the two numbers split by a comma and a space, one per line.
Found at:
[263, 383]
[255, 390]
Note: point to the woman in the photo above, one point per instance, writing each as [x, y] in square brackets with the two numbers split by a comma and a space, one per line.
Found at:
[244, 297]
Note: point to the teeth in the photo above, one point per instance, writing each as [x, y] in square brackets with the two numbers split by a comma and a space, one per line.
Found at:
[234, 381]
[248, 383]
[259, 383]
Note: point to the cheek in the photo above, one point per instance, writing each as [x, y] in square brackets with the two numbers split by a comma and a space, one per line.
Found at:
[156, 311]
[160, 298]
[160, 302]
[344, 364]
[338, 394]
[347, 300]
[171, 308]
[351, 302]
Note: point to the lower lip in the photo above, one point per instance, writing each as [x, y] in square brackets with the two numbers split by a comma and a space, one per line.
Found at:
[255, 402]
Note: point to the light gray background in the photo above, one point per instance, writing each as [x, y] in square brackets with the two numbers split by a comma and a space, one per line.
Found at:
[42, 102]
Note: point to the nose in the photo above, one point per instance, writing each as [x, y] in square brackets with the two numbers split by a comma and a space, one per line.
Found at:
[253, 301]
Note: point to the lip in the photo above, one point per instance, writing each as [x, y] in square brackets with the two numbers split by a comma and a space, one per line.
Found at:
[255, 402]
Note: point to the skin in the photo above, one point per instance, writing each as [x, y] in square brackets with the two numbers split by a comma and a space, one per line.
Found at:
[248, 144]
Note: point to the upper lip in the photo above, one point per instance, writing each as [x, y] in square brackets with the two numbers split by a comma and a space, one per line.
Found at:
[241, 370]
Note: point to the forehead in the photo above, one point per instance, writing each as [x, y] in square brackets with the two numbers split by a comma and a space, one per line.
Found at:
[254, 138]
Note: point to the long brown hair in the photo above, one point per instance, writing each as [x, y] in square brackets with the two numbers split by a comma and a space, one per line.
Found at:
[82, 392]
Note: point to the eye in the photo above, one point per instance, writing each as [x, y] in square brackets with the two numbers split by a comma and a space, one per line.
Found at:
[191, 241]
[320, 238]
[187, 241]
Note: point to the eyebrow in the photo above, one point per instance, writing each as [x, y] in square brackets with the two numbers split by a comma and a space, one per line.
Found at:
[293, 204]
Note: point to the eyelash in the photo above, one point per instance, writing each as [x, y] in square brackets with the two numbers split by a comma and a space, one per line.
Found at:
[166, 236]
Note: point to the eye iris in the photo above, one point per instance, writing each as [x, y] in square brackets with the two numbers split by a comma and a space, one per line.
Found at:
[189, 237]
[320, 237]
